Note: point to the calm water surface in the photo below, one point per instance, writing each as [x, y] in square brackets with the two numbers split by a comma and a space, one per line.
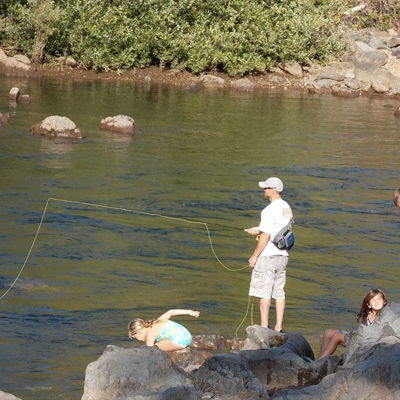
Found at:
[198, 156]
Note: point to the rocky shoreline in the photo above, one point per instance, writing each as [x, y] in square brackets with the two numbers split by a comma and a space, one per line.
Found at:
[370, 66]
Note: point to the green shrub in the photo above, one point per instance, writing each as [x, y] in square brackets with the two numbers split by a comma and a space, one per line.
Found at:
[235, 36]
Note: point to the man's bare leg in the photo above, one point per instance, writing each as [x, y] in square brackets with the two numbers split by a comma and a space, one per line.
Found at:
[280, 310]
[264, 311]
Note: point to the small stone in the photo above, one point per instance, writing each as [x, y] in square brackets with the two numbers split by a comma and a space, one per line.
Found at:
[212, 81]
[243, 84]
[71, 62]
[24, 98]
[119, 123]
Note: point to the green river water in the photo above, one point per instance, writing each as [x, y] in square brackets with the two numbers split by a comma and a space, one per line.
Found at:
[197, 155]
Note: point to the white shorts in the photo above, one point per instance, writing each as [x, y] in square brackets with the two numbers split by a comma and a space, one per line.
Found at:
[269, 277]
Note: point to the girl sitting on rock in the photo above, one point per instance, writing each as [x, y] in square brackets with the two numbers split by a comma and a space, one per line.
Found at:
[374, 301]
[165, 334]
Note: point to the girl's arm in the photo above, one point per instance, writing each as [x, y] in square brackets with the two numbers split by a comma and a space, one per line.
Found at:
[173, 313]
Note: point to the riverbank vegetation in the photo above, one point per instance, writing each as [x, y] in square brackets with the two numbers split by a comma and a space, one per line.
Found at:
[232, 36]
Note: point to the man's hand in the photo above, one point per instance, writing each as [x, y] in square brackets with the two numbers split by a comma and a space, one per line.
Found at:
[252, 261]
[253, 231]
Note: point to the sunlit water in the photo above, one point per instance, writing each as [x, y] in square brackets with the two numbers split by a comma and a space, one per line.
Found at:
[197, 156]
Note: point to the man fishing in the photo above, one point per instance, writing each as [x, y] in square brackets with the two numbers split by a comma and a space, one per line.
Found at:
[268, 261]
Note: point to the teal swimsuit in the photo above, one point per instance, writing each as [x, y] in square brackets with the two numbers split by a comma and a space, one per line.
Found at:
[176, 333]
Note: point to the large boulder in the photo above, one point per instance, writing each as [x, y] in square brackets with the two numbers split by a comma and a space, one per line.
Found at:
[119, 123]
[230, 378]
[7, 396]
[57, 127]
[212, 81]
[376, 377]
[145, 373]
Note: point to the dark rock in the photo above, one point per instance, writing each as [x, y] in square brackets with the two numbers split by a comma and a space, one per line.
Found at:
[145, 373]
[229, 376]
[396, 52]
[119, 123]
[343, 91]
[57, 127]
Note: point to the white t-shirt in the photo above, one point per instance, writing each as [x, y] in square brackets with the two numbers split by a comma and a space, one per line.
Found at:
[274, 217]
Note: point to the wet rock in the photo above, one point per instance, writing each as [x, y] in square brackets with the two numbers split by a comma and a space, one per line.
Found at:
[7, 396]
[352, 84]
[119, 123]
[397, 112]
[243, 84]
[57, 127]
[14, 94]
[212, 81]
[343, 91]
[4, 118]
[293, 69]
[145, 373]
[24, 98]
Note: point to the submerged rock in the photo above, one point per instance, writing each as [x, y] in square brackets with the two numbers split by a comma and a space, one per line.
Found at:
[119, 123]
[4, 118]
[57, 127]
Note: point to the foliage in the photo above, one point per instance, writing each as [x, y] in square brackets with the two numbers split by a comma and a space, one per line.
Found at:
[235, 36]
[381, 14]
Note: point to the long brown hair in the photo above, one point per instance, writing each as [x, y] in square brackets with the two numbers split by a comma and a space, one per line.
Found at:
[138, 324]
[363, 314]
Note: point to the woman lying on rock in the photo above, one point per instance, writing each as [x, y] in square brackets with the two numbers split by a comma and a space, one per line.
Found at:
[374, 301]
[161, 332]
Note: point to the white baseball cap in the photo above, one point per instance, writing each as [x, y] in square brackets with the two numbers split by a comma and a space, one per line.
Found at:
[272, 183]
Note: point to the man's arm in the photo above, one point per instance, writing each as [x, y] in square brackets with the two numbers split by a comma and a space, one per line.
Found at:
[262, 242]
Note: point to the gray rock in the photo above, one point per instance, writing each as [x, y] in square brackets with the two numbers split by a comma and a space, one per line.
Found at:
[374, 377]
[396, 52]
[212, 81]
[362, 47]
[7, 396]
[22, 59]
[145, 373]
[374, 58]
[378, 43]
[229, 376]
[324, 83]
[263, 338]
[352, 84]
[379, 87]
[293, 69]
[14, 94]
[119, 123]
[13, 63]
[24, 98]
[57, 127]
[394, 42]
[243, 84]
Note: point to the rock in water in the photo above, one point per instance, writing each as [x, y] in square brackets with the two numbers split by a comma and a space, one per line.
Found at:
[57, 127]
[119, 123]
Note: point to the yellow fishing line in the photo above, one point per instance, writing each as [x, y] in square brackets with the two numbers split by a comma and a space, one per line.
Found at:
[126, 210]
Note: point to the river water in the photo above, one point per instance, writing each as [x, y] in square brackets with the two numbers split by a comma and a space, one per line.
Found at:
[196, 156]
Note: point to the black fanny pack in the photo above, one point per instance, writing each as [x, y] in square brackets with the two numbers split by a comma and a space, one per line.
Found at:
[284, 239]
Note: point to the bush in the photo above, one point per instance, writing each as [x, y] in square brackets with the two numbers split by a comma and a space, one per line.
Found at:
[233, 36]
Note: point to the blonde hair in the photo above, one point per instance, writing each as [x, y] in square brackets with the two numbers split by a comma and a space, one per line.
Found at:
[138, 324]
